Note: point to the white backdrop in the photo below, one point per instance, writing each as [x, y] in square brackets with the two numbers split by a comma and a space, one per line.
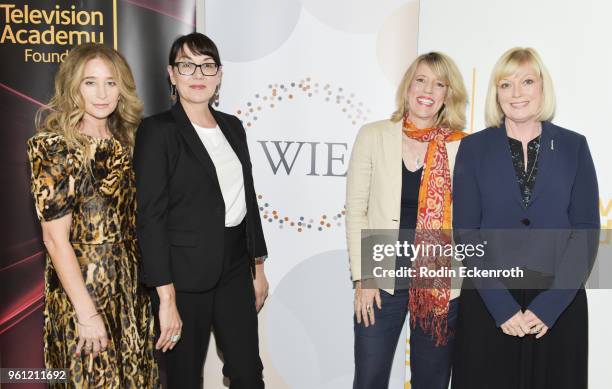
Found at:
[310, 71]
[304, 75]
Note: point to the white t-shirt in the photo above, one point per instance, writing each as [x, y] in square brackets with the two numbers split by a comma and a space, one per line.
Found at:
[229, 173]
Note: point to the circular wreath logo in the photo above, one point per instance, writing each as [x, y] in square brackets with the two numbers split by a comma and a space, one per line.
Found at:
[277, 94]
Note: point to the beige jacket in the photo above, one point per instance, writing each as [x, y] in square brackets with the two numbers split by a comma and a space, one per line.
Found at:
[374, 185]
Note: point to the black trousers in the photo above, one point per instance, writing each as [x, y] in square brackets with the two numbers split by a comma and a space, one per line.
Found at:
[486, 358]
[229, 309]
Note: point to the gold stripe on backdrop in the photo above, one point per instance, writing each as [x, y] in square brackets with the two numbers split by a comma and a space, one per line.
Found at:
[115, 24]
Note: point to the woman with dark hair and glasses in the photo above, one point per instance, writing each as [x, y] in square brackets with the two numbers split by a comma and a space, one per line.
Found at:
[198, 224]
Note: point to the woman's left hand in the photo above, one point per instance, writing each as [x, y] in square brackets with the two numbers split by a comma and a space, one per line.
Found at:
[260, 283]
[537, 326]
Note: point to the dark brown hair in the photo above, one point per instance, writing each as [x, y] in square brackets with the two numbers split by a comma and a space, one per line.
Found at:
[197, 43]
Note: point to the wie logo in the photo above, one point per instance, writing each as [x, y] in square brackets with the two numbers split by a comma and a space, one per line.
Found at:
[282, 150]
[300, 137]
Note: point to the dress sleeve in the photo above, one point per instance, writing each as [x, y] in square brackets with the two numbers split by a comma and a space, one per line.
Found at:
[53, 175]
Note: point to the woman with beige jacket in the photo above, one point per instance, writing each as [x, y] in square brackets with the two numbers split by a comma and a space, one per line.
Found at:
[400, 178]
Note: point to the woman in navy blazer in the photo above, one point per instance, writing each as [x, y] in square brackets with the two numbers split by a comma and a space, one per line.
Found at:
[525, 180]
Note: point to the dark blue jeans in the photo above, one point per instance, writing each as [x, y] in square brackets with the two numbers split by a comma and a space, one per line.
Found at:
[430, 366]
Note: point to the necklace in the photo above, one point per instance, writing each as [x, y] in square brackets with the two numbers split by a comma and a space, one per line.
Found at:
[422, 135]
[418, 161]
[535, 162]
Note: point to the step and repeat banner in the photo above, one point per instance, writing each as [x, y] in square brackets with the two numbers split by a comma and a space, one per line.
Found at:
[572, 39]
[304, 76]
[35, 36]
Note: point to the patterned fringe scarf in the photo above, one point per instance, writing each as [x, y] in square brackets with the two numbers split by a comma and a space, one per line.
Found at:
[429, 297]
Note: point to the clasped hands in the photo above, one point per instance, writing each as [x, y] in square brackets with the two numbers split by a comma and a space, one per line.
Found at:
[524, 323]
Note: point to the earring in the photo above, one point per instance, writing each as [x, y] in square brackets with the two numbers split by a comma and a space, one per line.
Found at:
[216, 96]
[173, 92]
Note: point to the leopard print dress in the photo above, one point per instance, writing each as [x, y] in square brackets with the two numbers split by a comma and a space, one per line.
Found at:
[101, 199]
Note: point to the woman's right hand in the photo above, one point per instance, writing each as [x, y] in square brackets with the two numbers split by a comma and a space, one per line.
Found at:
[364, 304]
[170, 324]
[92, 335]
[516, 326]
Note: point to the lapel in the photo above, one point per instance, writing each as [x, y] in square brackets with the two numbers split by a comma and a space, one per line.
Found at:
[231, 134]
[189, 133]
[546, 160]
[194, 142]
[392, 149]
[500, 156]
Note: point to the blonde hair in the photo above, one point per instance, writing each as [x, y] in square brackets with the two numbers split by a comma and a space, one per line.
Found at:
[507, 65]
[65, 110]
[452, 113]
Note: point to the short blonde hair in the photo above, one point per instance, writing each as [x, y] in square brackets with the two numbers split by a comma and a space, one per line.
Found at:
[452, 113]
[506, 66]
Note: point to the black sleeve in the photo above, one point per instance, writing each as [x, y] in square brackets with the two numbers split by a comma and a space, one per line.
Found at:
[259, 242]
[151, 166]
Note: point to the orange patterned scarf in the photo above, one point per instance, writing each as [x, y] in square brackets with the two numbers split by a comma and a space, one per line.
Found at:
[429, 297]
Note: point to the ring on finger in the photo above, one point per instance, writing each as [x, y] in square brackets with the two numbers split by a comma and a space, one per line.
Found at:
[175, 338]
[368, 308]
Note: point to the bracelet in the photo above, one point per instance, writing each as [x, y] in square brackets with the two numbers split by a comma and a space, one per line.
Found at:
[90, 317]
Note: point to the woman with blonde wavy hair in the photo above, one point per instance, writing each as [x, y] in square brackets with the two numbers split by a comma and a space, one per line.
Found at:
[399, 178]
[98, 321]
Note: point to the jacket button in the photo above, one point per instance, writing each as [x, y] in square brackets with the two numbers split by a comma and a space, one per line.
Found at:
[526, 222]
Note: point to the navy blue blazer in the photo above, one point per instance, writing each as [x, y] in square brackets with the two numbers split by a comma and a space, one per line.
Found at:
[486, 195]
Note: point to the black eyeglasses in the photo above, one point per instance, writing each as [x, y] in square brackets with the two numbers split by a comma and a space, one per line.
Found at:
[189, 68]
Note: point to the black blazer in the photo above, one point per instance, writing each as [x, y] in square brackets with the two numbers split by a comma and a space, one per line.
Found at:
[181, 212]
